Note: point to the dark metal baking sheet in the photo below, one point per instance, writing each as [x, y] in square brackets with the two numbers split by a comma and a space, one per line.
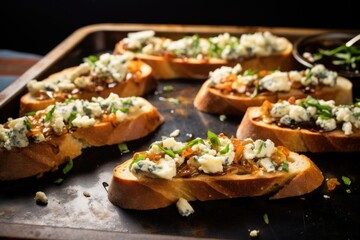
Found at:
[71, 215]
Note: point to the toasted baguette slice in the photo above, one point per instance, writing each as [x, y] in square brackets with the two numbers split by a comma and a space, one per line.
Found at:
[139, 81]
[55, 149]
[298, 139]
[166, 66]
[142, 192]
[212, 100]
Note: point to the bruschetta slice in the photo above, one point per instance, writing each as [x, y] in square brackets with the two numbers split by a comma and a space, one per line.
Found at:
[232, 90]
[194, 56]
[96, 77]
[305, 125]
[34, 144]
[217, 167]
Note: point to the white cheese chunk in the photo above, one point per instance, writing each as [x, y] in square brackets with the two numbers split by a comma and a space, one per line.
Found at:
[184, 207]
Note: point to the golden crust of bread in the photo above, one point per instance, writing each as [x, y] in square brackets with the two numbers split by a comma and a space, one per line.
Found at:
[211, 100]
[144, 193]
[38, 158]
[135, 86]
[167, 67]
[298, 140]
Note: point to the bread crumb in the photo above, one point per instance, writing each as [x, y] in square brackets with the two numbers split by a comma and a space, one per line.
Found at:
[326, 196]
[175, 133]
[86, 194]
[41, 198]
[331, 183]
[172, 111]
[254, 233]
[189, 135]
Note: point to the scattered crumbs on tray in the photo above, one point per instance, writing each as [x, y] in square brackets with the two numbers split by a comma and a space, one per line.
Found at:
[175, 133]
[172, 111]
[253, 233]
[189, 135]
[222, 117]
[184, 207]
[331, 183]
[86, 194]
[123, 148]
[171, 100]
[41, 198]
[266, 218]
[326, 196]
[156, 93]
[168, 88]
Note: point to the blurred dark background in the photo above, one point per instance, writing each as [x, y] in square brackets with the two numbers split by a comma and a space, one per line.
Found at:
[38, 26]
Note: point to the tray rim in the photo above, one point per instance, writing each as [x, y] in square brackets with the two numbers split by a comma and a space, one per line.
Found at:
[11, 230]
[78, 35]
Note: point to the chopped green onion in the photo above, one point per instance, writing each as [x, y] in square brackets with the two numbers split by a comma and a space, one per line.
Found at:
[285, 166]
[58, 181]
[91, 59]
[222, 117]
[28, 124]
[137, 159]
[348, 191]
[30, 114]
[249, 72]
[167, 151]
[256, 91]
[68, 166]
[168, 88]
[261, 147]
[225, 150]
[69, 99]
[346, 180]
[71, 118]
[174, 100]
[124, 110]
[49, 115]
[194, 142]
[213, 138]
[266, 218]
[123, 148]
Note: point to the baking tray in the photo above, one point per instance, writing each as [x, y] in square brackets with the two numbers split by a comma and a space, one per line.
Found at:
[71, 215]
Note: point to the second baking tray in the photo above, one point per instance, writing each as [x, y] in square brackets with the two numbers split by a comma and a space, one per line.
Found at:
[71, 215]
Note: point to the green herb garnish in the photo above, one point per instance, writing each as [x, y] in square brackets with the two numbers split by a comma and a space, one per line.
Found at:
[225, 150]
[71, 118]
[222, 117]
[348, 191]
[68, 166]
[262, 144]
[167, 151]
[213, 138]
[256, 91]
[28, 124]
[285, 166]
[91, 59]
[341, 55]
[123, 148]
[346, 180]
[30, 114]
[137, 159]
[168, 88]
[49, 115]
[58, 181]
[266, 218]
[194, 142]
